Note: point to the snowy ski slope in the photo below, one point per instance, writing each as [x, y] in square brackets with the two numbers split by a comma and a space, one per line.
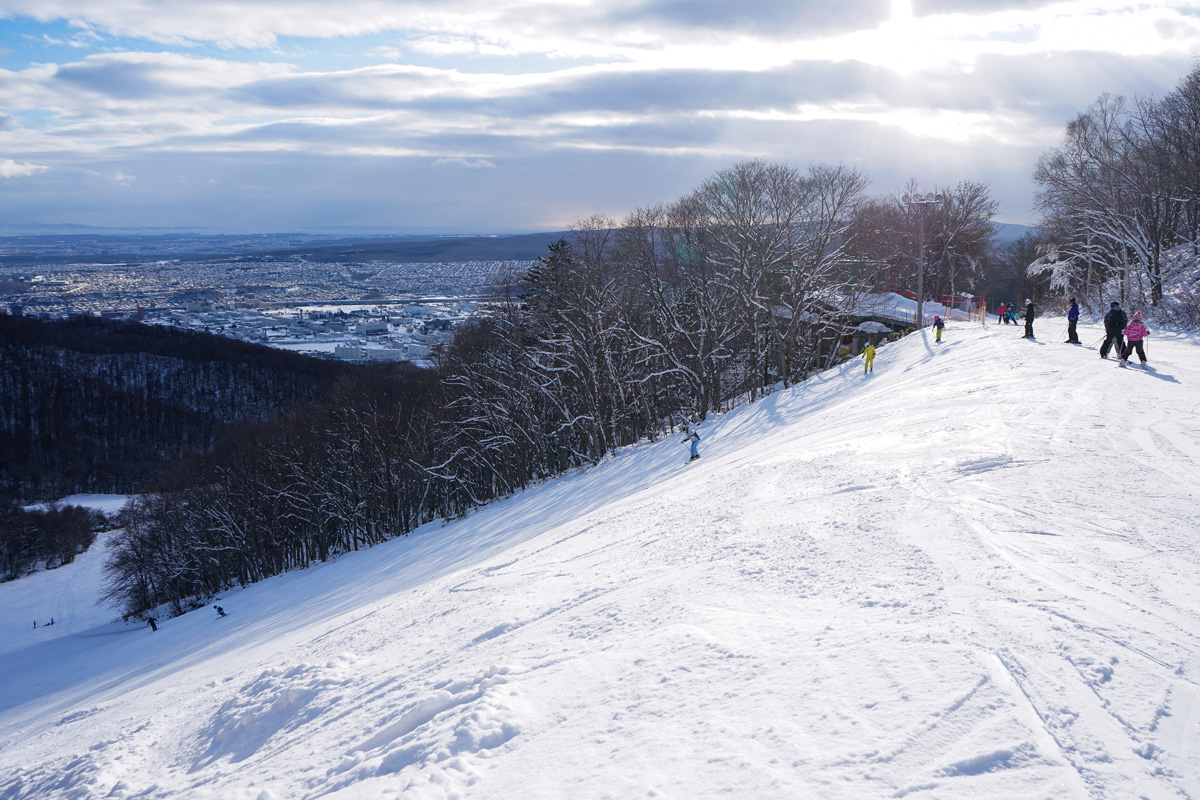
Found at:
[973, 573]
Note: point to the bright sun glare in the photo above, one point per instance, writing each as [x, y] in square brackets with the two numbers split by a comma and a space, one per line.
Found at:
[898, 41]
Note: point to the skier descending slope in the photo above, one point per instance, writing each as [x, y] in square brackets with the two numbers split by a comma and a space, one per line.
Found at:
[869, 358]
[694, 437]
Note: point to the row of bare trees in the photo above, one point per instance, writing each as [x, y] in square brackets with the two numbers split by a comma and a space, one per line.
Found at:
[615, 336]
[1120, 200]
[949, 231]
[34, 538]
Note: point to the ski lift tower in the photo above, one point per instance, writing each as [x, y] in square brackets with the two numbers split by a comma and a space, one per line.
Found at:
[915, 199]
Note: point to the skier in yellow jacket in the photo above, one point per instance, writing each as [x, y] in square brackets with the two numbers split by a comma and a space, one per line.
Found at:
[869, 358]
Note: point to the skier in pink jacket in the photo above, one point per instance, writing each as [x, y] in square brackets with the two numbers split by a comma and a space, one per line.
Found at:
[1135, 332]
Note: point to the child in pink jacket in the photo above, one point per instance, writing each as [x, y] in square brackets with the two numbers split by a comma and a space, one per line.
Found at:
[1135, 332]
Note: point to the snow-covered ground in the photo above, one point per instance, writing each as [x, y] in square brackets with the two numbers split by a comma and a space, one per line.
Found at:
[973, 573]
[108, 504]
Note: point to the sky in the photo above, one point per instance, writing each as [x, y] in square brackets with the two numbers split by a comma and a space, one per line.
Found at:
[520, 115]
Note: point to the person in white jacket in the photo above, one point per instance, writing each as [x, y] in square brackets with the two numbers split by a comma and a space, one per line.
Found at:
[694, 438]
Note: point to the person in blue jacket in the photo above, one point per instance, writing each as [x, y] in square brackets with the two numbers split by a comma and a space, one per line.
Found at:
[1072, 321]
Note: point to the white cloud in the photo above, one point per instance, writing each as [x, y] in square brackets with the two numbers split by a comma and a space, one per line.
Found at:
[464, 163]
[454, 45]
[15, 169]
[684, 79]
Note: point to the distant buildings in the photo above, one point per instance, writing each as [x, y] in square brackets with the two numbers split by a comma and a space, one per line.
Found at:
[313, 308]
[371, 328]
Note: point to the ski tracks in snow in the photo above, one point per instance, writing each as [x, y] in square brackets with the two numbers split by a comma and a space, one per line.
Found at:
[972, 575]
[1078, 576]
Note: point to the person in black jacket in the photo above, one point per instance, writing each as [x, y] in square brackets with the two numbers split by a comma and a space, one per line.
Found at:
[1114, 326]
[1028, 319]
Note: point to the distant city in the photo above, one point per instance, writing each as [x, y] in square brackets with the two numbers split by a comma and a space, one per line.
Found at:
[347, 309]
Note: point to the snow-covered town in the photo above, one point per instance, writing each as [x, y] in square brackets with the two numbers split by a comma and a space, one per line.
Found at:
[402, 331]
[370, 311]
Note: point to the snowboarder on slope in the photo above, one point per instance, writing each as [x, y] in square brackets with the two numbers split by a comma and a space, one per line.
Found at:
[1029, 319]
[939, 324]
[1135, 332]
[868, 358]
[694, 437]
[1072, 321]
[1114, 325]
[220, 611]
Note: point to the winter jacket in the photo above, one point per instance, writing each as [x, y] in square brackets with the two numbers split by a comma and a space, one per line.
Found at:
[1029, 313]
[1136, 331]
[1073, 313]
[1115, 321]
[939, 323]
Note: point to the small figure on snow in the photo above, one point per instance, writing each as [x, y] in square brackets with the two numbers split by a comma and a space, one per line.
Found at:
[939, 325]
[694, 437]
[868, 358]
[220, 611]
[1114, 325]
[1135, 332]
[1002, 314]
[35, 623]
[153, 623]
[1029, 319]
[1072, 321]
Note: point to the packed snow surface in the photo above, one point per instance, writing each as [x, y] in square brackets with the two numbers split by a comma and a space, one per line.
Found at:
[972, 573]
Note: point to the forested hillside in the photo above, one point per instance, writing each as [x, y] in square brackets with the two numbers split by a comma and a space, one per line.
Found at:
[93, 406]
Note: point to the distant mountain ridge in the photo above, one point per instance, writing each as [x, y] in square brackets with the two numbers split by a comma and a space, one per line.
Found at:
[525, 247]
[1007, 232]
[109, 245]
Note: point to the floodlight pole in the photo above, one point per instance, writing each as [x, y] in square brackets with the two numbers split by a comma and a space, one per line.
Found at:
[916, 200]
[921, 277]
